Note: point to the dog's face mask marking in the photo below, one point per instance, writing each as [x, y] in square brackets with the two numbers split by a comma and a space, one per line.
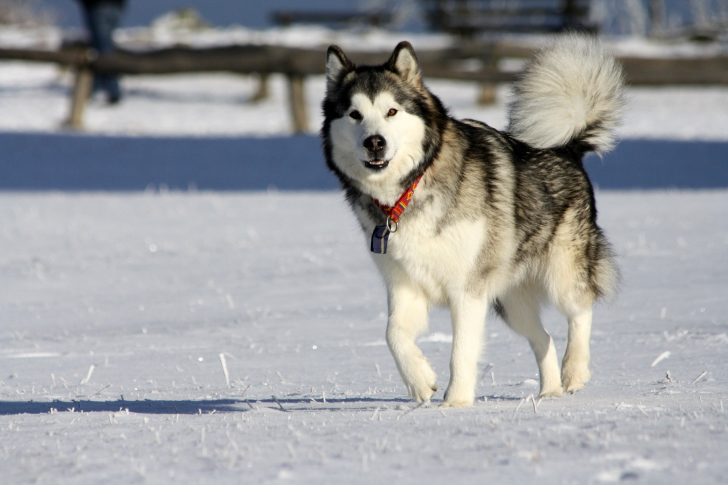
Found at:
[377, 138]
[377, 135]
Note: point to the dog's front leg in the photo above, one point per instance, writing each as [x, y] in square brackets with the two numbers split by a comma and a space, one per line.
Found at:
[408, 320]
[468, 325]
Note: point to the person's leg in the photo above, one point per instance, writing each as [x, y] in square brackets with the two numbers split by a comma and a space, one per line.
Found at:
[102, 19]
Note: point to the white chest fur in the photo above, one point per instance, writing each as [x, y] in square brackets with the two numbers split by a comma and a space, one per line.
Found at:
[436, 259]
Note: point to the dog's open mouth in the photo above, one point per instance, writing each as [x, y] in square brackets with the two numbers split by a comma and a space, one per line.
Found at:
[376, 164]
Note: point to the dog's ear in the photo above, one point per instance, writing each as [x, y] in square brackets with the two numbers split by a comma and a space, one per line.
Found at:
[336, 66]
[404, 62]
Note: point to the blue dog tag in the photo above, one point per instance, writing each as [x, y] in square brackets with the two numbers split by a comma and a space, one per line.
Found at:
[380, 236]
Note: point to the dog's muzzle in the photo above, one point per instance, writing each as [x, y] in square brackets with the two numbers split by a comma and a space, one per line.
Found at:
[376, 145]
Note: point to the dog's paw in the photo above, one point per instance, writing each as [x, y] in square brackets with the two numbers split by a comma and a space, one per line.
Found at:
[555, 391]
[421, 381]
[573, 378]
[455, 399]
[424, 394]
[457, 404]
[551, 387]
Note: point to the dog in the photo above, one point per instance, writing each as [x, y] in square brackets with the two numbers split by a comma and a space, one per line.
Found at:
[461, 214]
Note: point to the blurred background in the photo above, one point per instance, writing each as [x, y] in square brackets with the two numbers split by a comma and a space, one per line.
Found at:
[223, 93]
[633, 17]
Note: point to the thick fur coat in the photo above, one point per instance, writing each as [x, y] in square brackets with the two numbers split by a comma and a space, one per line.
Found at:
[502, 220]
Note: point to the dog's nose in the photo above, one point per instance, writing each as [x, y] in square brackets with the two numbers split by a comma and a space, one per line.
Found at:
[375, 143]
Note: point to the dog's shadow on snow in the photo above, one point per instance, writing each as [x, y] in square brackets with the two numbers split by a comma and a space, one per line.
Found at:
[148, 406]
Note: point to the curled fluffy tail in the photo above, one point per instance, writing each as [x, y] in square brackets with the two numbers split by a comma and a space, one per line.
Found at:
[570, 94]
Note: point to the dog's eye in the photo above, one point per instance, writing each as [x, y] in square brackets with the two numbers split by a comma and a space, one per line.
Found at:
[391, 112]
[355, 115]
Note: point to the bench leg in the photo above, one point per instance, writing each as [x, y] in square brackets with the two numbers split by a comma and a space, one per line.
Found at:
[486, 95]
[81, 92]
[297, 99]
[263, 90]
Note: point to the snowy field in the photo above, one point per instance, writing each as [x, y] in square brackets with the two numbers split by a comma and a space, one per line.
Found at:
[35, 98]
[185, 335]
[116, 309]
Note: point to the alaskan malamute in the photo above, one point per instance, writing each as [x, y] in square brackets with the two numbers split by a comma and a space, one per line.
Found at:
[457, 213]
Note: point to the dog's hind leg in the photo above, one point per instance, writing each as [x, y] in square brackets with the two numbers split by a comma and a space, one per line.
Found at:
[468, 325]
[520, 309]
[575, 366]
[408, 319]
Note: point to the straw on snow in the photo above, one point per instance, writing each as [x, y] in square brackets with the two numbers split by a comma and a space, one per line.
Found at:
[102, 389]
[88, 376]
[374, 414]
[225, 370]
[702, 374]
[535, 404]
[660, 358]
[412, 409]
[246, 390]
[279, 404]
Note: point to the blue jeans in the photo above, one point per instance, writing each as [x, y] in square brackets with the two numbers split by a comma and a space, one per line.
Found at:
[101, 20]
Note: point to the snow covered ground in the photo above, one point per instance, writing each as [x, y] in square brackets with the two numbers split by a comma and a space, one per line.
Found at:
[35, 97]
[186, 336]
[116, 309]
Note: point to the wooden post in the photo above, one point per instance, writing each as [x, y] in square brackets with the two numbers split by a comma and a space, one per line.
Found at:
[486, 96]
[81, 92]
[297, 99]
[263, 91]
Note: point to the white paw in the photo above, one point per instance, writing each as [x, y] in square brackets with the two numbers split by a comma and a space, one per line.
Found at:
[458, 399]
[574, 377]
[551, 387]
[555, 391]
[457, 404]
[420, 381]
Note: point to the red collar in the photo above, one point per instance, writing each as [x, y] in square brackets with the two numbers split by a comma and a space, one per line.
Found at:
[395, 212]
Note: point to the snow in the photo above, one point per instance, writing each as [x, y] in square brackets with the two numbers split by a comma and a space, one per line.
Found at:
[35, 97]
[183, 335]
[151, 288]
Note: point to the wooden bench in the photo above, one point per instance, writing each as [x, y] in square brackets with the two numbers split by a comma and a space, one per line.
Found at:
[470, 17]
[298, 63]
[335, 20]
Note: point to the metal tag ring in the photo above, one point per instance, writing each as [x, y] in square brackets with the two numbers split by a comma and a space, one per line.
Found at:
[389, 225]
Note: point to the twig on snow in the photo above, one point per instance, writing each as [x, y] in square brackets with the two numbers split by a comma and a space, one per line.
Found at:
[102, 389]
[702, 374]
[283, 379]
[410, 410]
[246, 390]
[279, 404]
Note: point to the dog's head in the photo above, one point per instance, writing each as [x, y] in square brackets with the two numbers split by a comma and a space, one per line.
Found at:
[379, 121]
